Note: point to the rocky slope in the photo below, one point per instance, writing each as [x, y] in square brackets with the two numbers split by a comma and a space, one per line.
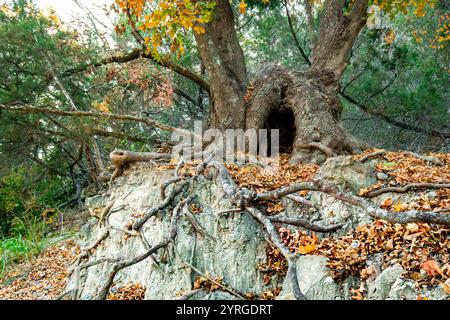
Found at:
[226, 255]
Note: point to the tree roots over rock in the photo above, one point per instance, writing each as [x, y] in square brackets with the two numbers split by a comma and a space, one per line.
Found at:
[180, 197]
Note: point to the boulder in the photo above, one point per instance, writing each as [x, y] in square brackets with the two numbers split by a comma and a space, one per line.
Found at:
[380, 288]
[315, 281]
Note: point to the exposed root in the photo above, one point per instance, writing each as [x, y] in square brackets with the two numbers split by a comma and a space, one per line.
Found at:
[425, 158]
[220, 285]
[319, 146]
[190, 294]
[372, 155]
[276, 240]
[410, 216]
[430, 159]
[303, 223]
[120, 158]
[406, 188]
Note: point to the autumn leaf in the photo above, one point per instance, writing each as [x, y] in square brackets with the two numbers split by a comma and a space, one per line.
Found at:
[387, 203]
[305, 249]
[412, 227]
[242, 7]
[399, 207]
[431, 267]
[446, 286]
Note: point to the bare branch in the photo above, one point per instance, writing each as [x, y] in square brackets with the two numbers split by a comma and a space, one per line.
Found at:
[140, 53]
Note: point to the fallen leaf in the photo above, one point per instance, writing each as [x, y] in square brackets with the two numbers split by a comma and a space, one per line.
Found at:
[431, 267]
[305, 249]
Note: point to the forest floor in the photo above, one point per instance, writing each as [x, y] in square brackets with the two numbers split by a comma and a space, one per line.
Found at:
[41, 278]
[421, 249]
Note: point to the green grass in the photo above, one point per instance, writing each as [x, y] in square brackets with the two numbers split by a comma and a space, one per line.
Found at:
[27, 239]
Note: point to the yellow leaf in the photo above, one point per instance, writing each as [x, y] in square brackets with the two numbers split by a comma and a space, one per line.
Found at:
[242, 7]
[305, 249]
[399, 207]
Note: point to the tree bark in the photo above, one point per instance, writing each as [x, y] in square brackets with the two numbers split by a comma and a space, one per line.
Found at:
[224, 62]
[313, 95]
[337, 34]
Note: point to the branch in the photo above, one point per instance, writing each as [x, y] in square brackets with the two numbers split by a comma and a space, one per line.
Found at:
[111, 116]
[139, 53]
[294, 35]
[394, 122]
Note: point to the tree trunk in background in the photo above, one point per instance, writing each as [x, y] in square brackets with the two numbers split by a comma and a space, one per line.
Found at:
[224, 62]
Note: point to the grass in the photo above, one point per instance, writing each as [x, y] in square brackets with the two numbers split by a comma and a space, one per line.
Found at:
[27, 239]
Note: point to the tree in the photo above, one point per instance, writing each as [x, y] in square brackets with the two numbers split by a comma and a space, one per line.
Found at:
[307, 99]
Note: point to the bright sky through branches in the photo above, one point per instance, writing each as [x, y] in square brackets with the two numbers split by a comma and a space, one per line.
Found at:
[68, 9]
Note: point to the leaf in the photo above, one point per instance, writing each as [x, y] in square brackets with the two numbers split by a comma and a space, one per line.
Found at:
[387, 203]
[242, 7]
[399, 207]
[446, 286]
[305, 249]
[412, 227]
[431, 267]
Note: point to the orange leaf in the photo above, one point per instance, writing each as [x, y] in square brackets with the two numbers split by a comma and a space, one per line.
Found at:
[306, 248]
[386, 203]
[431, 267]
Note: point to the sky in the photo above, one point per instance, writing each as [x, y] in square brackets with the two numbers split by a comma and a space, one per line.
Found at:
[67, 9]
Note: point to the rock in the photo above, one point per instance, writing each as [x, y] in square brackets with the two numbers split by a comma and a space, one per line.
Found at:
[219, 295]
[234, 244]
[349, 173]
[95, 201]
[315, 281]
[382, 176]
[403, 289]
[379, 289]
[233, 250]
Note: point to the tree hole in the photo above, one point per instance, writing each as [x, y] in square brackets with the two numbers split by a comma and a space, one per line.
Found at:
[284, 120]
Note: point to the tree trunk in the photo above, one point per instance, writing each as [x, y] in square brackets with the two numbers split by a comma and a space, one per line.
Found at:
[305, 105]
[337, 34]
[224, 62]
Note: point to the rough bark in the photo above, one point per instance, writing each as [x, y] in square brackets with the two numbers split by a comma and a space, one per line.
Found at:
[312, 95]
[224, 62]
[337, 34]
[316, 112]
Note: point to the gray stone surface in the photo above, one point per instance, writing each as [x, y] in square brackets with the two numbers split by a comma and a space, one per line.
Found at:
[403, 289]
[239, 246]
[315, 281]
[349, 173]
[379, 289]
[235, 245]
